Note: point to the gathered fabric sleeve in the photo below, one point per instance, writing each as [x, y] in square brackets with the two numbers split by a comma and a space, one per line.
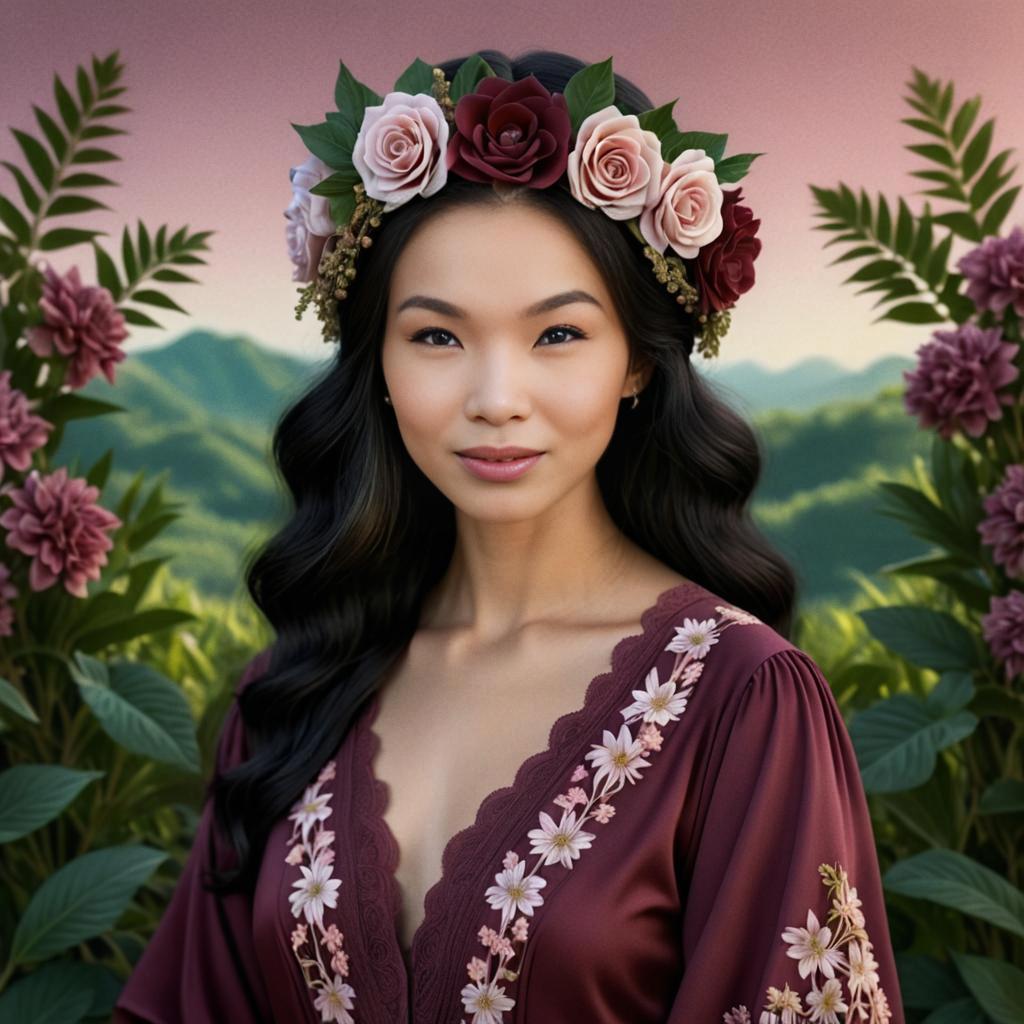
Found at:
[784, 918]
[199, 967]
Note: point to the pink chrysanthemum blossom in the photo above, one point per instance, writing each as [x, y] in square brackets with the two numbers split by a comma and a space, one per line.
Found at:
[82, 324]
[955, 385]
[56, 520]
[21, 431]
[1003, 629]
[1003, 530]
[8, 592]
[995, 273]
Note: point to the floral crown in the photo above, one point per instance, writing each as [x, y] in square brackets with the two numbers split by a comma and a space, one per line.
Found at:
[373, 154]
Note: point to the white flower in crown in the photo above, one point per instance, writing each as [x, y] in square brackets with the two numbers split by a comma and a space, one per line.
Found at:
[559, 843]
[659, 702]
[401, 147]
[693, 636]
[618, 757]
[513, 892]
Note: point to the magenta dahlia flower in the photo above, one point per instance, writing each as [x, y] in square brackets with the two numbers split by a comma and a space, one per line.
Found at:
[80, 323]
[1003, 530]
[956, 383]
[21, 431]
[1003, 628]
[57, 522]
[8, 592]
[994, 272]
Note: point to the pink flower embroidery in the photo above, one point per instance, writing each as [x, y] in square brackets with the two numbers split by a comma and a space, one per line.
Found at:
[311, 850]
[618, 760]
[820, 952]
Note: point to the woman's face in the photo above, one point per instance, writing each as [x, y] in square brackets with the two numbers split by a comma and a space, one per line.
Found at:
[467, 362]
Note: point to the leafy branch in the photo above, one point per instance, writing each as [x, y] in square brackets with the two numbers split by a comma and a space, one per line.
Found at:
[905, 261]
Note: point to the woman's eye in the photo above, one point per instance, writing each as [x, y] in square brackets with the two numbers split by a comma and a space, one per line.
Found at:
[427, 332]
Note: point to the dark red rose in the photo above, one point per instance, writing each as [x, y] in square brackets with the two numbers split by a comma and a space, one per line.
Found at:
[515, 132]
[724, 269]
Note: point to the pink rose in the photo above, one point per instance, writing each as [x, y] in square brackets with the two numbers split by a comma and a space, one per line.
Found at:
[309, 218]
[616, 164]
[688, 213]
[400, 148]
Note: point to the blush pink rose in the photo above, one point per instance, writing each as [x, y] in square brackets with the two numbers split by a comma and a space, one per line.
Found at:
[309, 218]
[688, 213]
[616, 165]
[400, 148]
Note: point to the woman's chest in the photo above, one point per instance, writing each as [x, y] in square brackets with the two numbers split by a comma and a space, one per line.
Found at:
[451, 732]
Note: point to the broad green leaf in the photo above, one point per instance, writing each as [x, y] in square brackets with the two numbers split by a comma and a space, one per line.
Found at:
[351, 96]
[12, 699]
[896, 741]
[1004, 796]
[81, 900]
[589, 90]
[954, 880]
[131, 269]
[31, 795]
[141, 709]
[60, 992]
[964, 119]
[924, 636]
[93, 156]
[953, 692]
[991, 180]
[998, 987]
[68, 204]
[106, 272]
[735, 167]
[963, 1011]
[417, 77]
[925, 983]
[659, 120]
[470, 71]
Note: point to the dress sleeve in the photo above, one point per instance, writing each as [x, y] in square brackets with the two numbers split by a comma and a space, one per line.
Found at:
[199, 967]
[784, 918]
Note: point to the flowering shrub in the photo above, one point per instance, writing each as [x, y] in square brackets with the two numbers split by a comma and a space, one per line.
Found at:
[942, 762]
[77, 716]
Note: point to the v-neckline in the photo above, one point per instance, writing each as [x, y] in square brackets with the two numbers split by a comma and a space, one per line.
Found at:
[626, 653]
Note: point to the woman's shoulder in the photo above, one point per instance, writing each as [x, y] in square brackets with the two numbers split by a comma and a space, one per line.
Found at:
[735, 647]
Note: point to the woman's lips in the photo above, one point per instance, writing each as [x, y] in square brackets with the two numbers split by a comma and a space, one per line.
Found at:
[486, 469]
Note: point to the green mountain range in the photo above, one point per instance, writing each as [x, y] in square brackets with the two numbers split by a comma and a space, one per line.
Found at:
[203, 407]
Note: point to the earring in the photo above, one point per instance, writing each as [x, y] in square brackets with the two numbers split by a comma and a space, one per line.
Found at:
[636, 400]
[387, 398]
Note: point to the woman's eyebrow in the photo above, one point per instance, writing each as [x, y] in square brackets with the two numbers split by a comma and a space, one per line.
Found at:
[543, 306]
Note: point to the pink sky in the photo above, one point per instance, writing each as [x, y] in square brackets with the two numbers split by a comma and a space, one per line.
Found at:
[214, 88]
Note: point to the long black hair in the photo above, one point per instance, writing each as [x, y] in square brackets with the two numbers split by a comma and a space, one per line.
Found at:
[369, 535]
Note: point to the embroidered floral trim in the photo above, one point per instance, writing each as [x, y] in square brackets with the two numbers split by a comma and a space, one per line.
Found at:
[617, 760]
[818, 951]
[311, 849]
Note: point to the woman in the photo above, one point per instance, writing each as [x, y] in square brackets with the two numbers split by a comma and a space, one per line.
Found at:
[532, 744]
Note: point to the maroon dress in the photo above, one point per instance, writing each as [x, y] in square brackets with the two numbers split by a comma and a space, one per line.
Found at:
[692, 847]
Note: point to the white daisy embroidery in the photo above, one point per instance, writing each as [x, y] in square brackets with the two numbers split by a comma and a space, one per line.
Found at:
[820, 952]
[618, 760]
[559, 843]
[311, 850]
